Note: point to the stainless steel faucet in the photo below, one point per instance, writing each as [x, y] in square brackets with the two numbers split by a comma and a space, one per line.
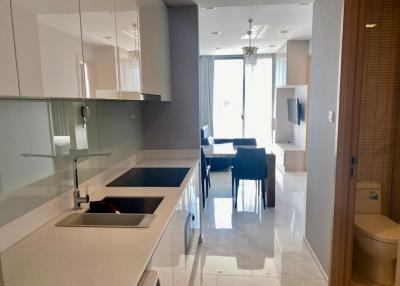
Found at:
[78, 200]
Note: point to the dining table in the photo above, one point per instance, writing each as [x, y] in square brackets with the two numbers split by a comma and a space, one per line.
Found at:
[228, 150]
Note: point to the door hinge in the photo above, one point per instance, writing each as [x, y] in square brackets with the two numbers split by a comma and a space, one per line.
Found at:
[354, 161]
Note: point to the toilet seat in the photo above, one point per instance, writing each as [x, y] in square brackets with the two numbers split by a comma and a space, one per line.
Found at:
[378, 227]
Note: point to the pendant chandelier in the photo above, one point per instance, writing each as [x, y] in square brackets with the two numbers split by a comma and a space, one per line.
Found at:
[134, 55]
[250, 52]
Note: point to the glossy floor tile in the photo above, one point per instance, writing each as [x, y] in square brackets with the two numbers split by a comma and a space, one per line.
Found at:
[253, 246]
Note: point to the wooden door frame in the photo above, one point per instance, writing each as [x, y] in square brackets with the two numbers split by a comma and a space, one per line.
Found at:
[354, 21]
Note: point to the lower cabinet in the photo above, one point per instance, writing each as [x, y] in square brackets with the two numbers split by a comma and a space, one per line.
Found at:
[176, 252]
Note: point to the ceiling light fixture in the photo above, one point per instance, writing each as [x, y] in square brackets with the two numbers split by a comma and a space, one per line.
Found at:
[284, 31]
[216, 33]
[370, 26]
[250, 52]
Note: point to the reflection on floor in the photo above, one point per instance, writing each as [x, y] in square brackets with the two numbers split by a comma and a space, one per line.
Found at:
[252, 246]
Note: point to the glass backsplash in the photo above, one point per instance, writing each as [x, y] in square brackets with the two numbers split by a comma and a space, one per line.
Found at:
[56, 128]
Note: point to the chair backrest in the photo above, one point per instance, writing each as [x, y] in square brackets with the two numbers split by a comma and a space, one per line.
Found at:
[204, 141]
[245, 141]
[203, 164]
[250, 164]
[204, 132]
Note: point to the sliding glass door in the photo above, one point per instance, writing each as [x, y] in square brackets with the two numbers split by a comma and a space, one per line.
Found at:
[228, 98]
[242, 99]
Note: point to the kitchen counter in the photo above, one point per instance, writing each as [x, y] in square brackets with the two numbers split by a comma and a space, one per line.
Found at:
[94, 256]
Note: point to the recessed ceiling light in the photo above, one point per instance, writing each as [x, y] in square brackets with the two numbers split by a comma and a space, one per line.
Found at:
[284, 31]
[304, 4]
[216, 33]
[108, 37]
[272, 46]
[370, 26]
[218, 48]
[211, 8]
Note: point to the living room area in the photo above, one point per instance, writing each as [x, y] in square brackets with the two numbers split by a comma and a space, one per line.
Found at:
[254, 85]
[254, 89]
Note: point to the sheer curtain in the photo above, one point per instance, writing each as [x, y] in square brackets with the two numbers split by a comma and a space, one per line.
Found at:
[206, 77]
[258, 101]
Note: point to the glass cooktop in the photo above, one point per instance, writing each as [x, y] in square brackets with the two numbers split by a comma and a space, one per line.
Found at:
[151, 177]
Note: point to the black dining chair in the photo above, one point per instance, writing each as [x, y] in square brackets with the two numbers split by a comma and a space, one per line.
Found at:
[205, 177]
[249, 164]
[243, 142]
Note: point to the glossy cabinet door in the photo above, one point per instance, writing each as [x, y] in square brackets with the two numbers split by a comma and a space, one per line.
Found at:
[48, 48]
[193, 193]
[175, 254]
[8, 67]
[180, 220]
[155, 55]
[128, 47]
[161, 260]
[99, 49]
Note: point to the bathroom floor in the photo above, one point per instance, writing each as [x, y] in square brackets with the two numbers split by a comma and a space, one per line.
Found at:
[253, 246]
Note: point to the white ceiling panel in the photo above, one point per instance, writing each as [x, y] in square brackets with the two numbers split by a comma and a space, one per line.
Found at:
[223, 30]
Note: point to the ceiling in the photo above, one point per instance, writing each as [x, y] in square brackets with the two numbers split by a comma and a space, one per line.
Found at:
[270, 24]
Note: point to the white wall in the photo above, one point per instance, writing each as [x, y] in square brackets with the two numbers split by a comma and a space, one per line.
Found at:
[284, 128]
[326, 53]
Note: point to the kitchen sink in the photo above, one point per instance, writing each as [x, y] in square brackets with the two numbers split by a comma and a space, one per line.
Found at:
[106, 220]
[115, 212]
[126, 205]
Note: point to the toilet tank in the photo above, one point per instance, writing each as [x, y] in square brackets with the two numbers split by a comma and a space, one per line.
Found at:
[368, 198]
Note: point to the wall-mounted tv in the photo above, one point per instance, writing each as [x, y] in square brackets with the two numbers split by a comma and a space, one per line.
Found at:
[294, 110]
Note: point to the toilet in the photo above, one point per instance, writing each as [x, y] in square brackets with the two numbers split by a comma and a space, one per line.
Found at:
[376, 236]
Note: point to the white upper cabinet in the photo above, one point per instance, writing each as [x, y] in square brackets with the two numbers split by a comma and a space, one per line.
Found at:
[48, 48]
[113, 49]
[155, 56]
[128, 48]
[8, 68]
[99, 49]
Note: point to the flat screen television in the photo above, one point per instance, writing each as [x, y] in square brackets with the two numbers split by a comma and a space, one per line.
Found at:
[294, 109]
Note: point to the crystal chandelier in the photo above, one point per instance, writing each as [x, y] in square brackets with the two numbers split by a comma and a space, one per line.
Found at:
[250, 52]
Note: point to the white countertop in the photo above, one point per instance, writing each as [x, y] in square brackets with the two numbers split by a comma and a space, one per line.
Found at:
[93, 256]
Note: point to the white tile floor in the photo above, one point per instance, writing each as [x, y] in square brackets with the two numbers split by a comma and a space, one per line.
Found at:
[253, 246]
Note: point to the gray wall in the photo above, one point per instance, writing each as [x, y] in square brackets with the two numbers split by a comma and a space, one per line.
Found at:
[326, 53]
[175, 125]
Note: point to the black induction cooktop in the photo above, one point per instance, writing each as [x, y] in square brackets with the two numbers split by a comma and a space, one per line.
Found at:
[151, 177]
